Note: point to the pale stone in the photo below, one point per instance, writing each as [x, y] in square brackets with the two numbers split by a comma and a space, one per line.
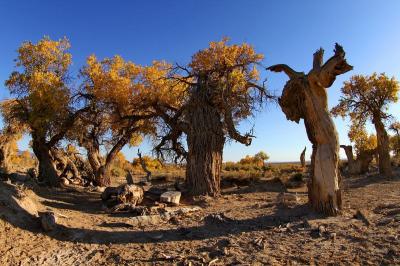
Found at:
[171, 197]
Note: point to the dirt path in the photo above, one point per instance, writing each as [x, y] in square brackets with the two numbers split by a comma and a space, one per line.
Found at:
[245, 226]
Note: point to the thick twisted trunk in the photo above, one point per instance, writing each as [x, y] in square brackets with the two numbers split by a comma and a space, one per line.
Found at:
[205, 138]
[100, 171]
[305, 97]
[47, 171]
[385, 167]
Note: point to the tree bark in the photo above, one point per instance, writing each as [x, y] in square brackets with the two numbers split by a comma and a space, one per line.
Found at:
[305, 96]
[47, 171]
[359, 165]
[5, 157]
[205, 138]
[385, 167]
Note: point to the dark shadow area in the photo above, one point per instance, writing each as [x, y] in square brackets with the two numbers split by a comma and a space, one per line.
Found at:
[70, 199]
[272, 185]
[209, 229]
[365, 180]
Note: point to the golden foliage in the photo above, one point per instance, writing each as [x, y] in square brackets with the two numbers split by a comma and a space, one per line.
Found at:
[258, 159]
[365, 97]
[150, 163]
[361, 139]
[41, 84]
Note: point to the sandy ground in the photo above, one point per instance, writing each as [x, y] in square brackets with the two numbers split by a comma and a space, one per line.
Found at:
[247, 225]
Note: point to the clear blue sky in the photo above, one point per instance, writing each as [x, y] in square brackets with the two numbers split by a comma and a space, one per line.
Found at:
[284, 31]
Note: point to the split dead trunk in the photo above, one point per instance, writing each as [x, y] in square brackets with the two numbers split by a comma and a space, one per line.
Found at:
[144, 166]
[205, 138]
[303, 158]
[385, 167]
[305, 97]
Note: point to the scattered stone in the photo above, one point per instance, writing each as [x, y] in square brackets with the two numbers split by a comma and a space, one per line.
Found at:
[48, 221]
[171, 197]
[217, 218]
[148, 219]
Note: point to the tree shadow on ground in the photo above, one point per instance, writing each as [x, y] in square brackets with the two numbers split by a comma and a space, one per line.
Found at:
[366, 180]
[70, 199]
[209, 228]
[271, 185]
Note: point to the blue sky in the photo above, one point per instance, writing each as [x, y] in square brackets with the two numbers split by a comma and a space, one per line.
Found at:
[284, 31]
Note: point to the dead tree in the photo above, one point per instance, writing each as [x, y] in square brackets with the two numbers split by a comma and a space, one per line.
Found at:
[361, 164]
[64, 164]
[303, 158]
[144, 166]
[305, 97]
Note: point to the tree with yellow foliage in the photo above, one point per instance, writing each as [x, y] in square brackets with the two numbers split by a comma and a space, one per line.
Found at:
[112, 92]
[205, 101]
[395, 140]
[43, 98]
[367, 98]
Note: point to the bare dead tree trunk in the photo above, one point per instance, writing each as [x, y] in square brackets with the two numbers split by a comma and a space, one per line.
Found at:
[47, 171]
[361, 164]
[205, 138]
[385, 167]
[303, 158]
[144, 166]
[305, 96]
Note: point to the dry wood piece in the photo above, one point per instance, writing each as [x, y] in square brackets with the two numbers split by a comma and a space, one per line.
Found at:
[127, 194]
[305, 97]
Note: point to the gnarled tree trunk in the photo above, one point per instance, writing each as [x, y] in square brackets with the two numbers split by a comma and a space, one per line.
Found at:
[305, 96]
[205, 138]
[359, 165]
[66, 164]
[385, 167]
[47, 171]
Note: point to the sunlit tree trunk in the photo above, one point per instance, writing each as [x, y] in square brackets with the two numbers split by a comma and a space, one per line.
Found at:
[385, 167]
[47, 171]
[205, 138]
[5, 157]
[305, 97]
